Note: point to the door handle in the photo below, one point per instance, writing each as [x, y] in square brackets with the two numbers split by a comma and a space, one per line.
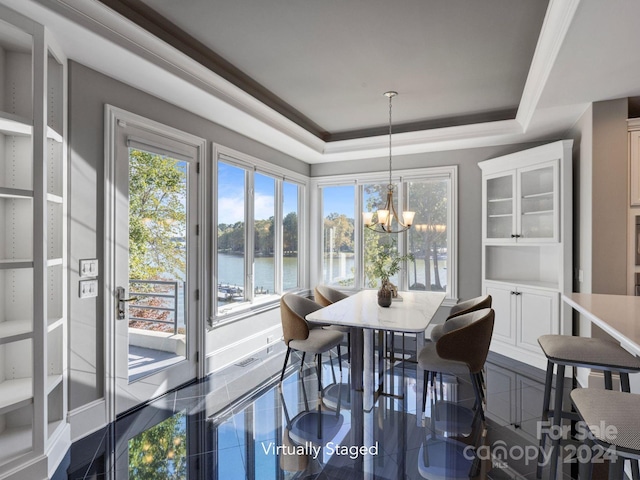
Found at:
[121, 302]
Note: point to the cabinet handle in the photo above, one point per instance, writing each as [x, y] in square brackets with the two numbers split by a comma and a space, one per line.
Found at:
[517, 293]
[513, 235]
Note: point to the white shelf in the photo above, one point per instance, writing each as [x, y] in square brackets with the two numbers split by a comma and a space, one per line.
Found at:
[501, 215]
[54, 198]
[52, 382]
[53, 135]
[15, 330]
[494, 200]
[552, 286]
[15, 193]
[538, 212]
[16, 441]
[15, 394]
[14, 125]
[15, 263]
[52, 262]
[54, 323]
[537, 195]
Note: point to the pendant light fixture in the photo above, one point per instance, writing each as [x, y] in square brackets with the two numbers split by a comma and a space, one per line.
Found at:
[387, 219]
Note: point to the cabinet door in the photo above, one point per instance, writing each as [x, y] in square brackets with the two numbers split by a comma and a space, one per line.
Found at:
[500, 206]
[538, 203]
[537, 312]
[503, 301]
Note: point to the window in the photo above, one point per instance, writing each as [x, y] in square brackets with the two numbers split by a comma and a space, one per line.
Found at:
[258, 255]
[430, 192]
[338, 238]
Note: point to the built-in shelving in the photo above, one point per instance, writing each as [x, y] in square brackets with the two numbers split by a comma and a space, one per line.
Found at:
[33, 263]
[526, 250]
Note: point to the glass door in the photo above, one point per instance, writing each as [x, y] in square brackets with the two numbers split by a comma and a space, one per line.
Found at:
[501, 203]
[156, 215]
[538, 212]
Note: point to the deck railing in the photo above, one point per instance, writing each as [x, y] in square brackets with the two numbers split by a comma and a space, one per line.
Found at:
[164, 290]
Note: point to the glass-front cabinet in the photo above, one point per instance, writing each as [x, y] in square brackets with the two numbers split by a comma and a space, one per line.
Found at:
[521, 205]
[526, 248]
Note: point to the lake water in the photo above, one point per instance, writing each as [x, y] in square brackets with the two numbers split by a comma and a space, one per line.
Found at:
[231, 271]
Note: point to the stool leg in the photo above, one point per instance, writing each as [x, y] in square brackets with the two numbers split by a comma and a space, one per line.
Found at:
[616, 470]
[585, 467]
[608, 380]
[284, 367]
[545, 415]
[319, 356]
[557, 422]
[625, 387]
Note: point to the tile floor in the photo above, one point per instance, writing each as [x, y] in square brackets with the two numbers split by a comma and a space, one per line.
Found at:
[242, 424]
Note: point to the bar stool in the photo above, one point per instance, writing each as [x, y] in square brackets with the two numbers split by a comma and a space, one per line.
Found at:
[617, 412]
[566, 350]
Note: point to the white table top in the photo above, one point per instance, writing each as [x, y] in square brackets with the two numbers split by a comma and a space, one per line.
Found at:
[361, 310]
[618, 315]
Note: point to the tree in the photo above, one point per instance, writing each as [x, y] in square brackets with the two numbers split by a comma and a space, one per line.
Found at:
[161, 451]
[157, 216]
[290, 232]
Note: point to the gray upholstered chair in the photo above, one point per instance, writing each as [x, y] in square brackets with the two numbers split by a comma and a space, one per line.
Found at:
[297, 334]
[569, 351]
[461, 350]
[326, 296]
[471, 305]
[597, 407]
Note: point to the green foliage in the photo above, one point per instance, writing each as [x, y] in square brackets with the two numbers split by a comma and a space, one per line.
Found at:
[161, 451]
[388, 261]
[343, 228]
[157, 216]
[231, 237]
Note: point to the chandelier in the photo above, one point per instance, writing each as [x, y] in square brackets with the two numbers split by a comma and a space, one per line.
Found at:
[387, 219]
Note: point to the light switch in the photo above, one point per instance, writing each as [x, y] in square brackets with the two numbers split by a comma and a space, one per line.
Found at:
[88, 268]
[88, 288]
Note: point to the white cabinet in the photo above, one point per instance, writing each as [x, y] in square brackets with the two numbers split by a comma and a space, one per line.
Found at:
[33, 263]
[522, 205]
[522, 315]
[526, 251]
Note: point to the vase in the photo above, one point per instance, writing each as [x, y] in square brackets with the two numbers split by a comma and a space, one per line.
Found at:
[384, 295]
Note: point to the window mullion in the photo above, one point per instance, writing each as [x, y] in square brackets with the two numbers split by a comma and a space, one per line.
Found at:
[249, 235]
[278, 249]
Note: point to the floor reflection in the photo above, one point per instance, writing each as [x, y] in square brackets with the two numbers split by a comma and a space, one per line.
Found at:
[243, 424]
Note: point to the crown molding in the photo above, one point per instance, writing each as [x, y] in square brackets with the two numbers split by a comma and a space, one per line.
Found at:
[555, 26]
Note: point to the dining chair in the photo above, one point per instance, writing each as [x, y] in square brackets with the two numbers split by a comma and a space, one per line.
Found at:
[467, 306]
[461, 350]
[297, 334]
[326, 296]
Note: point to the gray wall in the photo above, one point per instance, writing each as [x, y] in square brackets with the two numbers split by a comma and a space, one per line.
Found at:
[89, 91]
[469, 198]
[610, 197]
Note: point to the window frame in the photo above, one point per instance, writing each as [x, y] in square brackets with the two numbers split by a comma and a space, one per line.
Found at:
[399, 179]
[252, 165]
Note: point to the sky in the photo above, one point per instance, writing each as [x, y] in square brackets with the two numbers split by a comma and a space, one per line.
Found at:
[231, 195]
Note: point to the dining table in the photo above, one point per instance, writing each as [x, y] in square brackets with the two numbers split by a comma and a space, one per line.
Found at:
[411, 313]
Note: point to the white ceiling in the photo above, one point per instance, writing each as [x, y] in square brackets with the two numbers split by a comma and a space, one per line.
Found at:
[584, 53]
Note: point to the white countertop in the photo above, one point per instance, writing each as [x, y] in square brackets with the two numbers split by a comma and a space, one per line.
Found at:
[361, 310]
[618, 315]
